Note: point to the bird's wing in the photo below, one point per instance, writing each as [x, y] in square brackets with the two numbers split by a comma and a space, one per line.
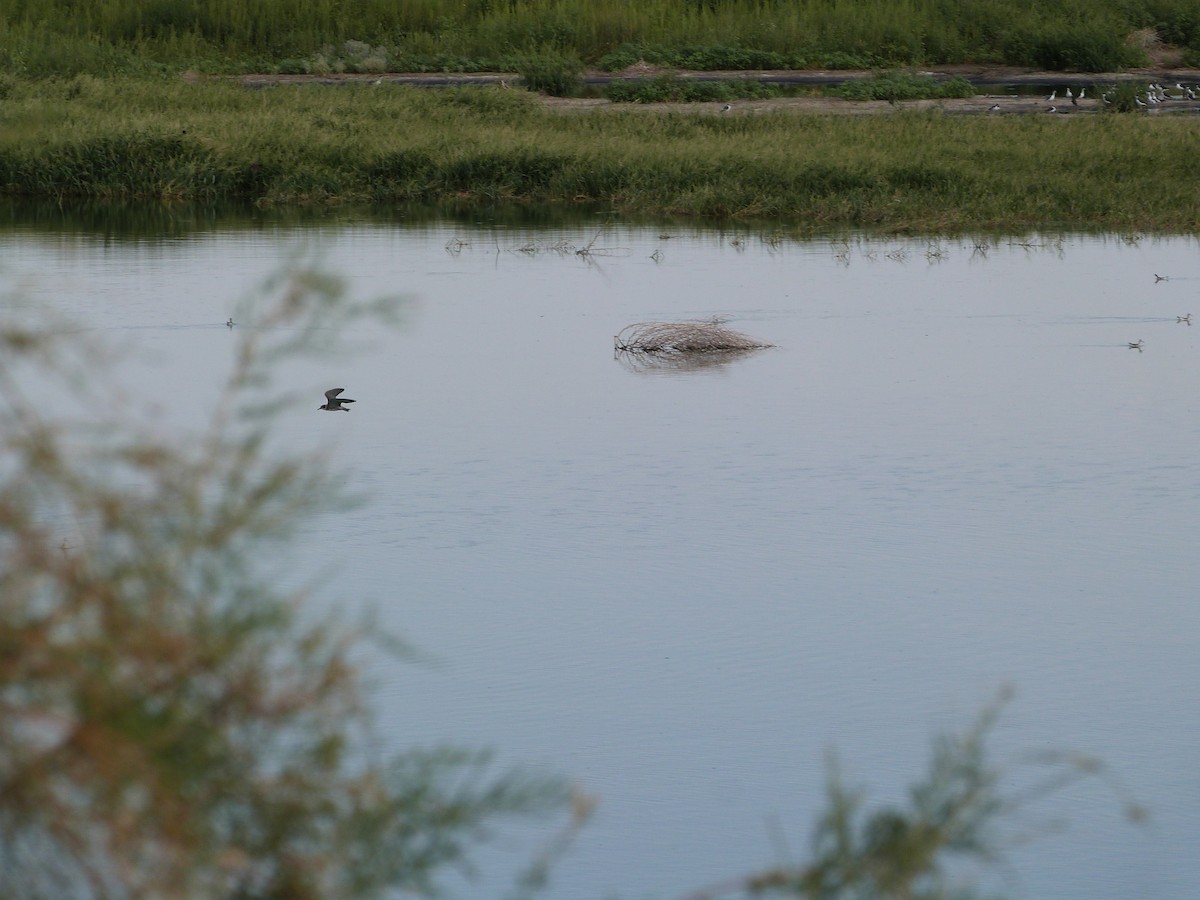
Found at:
[333, 392]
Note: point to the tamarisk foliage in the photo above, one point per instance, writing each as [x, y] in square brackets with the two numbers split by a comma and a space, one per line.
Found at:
[955, 813]
[172, 722]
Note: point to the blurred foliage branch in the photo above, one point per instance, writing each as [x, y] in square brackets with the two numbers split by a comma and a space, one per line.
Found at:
[955, 812]
[172, 722]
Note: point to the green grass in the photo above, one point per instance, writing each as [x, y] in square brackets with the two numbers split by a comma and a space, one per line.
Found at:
[75, 36]
[115, 139]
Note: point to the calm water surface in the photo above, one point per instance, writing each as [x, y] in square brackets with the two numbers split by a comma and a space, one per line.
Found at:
[682, 588]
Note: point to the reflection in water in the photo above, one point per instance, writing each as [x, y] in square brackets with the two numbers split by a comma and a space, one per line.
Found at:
[116, 220]
[124, 221]
[641, 362]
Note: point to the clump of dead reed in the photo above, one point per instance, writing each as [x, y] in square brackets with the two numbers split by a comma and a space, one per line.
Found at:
[707, 336]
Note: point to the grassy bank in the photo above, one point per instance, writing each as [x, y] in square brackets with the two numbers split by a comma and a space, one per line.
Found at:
[76, 36]
[121, 139]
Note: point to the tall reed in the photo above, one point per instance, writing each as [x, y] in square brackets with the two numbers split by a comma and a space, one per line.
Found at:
[1083, 34]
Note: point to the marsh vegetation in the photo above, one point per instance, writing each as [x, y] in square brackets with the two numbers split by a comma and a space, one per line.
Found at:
[914, 170]
[65, 37]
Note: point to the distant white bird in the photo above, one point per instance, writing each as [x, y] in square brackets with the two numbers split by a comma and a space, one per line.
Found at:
[1069, 95]
[1136, 345]
[1051, 109]
[1053, 94]
[1081, 90]
[727, 107]
[1138, 102]
[333, 403]
[995, 107]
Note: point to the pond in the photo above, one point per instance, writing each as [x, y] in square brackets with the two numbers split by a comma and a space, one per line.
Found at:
[683, 587]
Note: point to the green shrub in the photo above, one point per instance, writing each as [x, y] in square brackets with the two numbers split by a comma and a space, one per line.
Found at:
[294, 67]
[558, 76]
[621, 58]
[894, 86]
[668, 88]
[712, 58]
[1070, 48]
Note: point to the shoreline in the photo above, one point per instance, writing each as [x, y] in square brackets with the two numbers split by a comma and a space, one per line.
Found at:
[981, 75]
[992, 80]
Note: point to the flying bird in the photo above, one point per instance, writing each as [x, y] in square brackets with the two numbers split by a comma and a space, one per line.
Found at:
[333, 403]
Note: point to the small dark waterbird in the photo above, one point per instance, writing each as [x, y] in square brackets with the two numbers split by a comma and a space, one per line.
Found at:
[334, 403]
